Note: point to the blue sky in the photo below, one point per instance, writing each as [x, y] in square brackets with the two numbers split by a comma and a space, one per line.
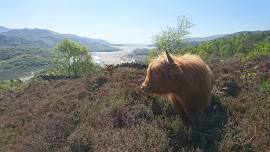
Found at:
[135, 21]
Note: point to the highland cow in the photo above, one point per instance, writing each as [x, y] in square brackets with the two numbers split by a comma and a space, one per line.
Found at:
[186, 81]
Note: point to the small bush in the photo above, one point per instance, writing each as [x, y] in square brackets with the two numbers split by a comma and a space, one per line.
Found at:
[72, 59]
[265, 85]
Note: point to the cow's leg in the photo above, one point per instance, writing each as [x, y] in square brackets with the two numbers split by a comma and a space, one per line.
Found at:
[192, 112]
[178, 108]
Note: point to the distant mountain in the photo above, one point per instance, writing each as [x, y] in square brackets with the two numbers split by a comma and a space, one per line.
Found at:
[43, 38]
[3, 29]
[197, 40]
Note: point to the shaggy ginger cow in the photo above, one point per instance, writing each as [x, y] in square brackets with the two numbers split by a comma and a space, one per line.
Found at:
[187, 81]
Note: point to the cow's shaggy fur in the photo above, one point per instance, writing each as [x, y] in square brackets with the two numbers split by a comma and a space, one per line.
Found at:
[187, 81]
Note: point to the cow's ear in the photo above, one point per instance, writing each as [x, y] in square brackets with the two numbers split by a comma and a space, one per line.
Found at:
[169, 58]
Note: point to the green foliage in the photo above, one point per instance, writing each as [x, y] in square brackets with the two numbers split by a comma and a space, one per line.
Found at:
[251, 44]
[72, 59]
[7, 53]
[13, 84]
[18, 62]
[172, 38]
[23, 61]
[261, 49]
[248, 76]
[265, 85]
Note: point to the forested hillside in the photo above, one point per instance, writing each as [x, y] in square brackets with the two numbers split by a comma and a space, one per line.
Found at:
[240, 44]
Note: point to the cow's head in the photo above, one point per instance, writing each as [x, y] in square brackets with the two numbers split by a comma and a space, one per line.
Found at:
[161, 75]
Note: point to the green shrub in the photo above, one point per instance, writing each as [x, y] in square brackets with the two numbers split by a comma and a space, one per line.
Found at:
[172, 39]
[72, 59]
[265, 85]
[248, 76]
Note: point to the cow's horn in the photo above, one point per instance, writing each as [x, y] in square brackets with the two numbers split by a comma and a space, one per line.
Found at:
[170, 60]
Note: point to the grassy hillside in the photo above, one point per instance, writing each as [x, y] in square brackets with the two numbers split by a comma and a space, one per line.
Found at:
[107, 111]
[21, 61]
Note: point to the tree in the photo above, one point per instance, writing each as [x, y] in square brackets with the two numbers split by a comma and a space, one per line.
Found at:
[72, 59]
[171, 39]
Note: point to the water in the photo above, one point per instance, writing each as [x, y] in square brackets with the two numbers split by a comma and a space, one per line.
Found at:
[27, 77]
[115, 57]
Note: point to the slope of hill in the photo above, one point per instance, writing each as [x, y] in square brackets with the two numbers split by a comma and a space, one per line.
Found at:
[107, 111]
